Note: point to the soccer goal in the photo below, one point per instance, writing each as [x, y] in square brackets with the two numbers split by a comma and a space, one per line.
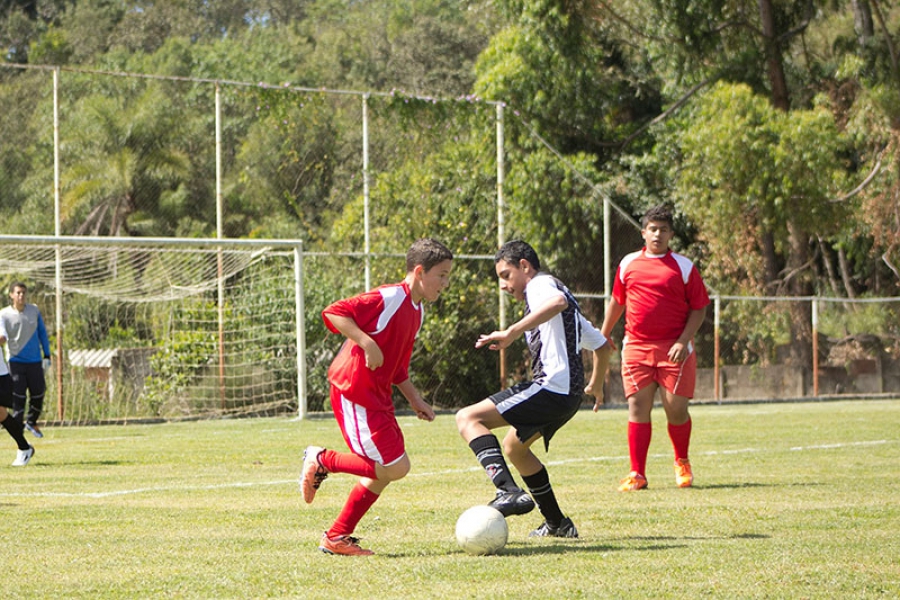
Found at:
[165, 328]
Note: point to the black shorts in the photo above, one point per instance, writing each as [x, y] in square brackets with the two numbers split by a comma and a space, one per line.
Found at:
[6, 391]
[531, 409]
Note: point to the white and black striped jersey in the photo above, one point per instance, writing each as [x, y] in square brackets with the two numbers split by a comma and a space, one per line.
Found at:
[556, 345]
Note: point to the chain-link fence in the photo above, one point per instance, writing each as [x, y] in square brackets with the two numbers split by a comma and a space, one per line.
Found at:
[90, 154]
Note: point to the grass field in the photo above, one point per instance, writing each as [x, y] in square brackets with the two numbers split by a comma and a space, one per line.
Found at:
[790, 501]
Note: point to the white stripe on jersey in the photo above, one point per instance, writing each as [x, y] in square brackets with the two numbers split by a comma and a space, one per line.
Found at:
[356, 425]
[519, 398]
[685, 265]
[393, 297]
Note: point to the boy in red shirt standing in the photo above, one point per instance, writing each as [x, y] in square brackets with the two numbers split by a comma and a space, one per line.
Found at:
[664, 301]
[381, 327]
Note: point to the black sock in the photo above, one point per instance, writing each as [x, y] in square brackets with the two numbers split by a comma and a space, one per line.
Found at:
[487, 451]
[542, 492]
[14, 428]
[35, 406]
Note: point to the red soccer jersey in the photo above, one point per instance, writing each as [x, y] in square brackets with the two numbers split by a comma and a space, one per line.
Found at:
[658, 293]
[391, 318]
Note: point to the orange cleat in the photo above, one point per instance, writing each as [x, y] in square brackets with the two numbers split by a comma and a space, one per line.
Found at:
[343, 545]
[313, 474]
[683, 475]
[634, 482]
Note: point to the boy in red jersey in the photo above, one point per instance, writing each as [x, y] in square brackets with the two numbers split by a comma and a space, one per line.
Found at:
[664, 301]
[381, 327]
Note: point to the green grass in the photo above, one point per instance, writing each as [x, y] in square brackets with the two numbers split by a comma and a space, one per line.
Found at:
[790, 501]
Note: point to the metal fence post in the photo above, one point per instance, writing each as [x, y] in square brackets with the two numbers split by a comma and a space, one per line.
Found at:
[815, 345]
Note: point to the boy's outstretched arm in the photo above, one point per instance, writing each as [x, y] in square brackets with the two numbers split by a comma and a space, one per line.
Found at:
[498, 340]
[422, 409]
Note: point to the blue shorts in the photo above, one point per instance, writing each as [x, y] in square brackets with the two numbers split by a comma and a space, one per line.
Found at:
[532, 409]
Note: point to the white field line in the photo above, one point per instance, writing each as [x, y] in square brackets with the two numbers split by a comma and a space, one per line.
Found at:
[151, 490]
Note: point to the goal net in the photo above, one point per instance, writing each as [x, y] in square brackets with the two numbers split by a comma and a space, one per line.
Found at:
[164, 330]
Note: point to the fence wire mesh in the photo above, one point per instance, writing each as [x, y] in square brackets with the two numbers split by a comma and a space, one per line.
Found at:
[144, 156]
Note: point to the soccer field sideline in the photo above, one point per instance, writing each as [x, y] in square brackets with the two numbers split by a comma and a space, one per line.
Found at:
[441, 473]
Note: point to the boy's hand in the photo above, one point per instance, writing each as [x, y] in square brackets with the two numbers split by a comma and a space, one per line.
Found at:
[374, 356]
[598, 395]
[497, 340]
[422, 409]
[678, 352]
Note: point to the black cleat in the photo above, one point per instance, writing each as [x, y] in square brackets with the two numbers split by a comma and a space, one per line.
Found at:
[512, 503]
[566, 529]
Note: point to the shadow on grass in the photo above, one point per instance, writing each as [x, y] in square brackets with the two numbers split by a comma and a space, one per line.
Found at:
[749, 485]
[566, 548]
[699, 538]
[87, 463]
[523, 549]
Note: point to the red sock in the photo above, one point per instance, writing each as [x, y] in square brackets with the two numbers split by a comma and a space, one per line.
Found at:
[639, 445]
[358, 504]
[681, 439]
[347, 462]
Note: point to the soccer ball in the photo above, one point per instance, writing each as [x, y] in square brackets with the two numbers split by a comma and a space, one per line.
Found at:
[481, 530]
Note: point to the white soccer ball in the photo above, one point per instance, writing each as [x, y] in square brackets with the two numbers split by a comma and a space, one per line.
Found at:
[481, 530]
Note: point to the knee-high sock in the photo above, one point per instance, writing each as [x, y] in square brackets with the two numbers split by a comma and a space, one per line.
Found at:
[681, 439]
[639, 445]
[487, 451]
[542, 492]
[14, 428]
[358, 504]
[347, 462]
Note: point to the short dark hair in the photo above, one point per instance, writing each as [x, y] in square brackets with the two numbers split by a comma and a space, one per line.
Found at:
[427, 252]
[516, 250]
[17, 284]
[661, 213]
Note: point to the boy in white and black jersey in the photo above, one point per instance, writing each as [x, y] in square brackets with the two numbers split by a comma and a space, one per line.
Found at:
[7, 421]
[556, 332]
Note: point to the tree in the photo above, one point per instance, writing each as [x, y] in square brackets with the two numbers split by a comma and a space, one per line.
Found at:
[125, 163]
[772, 176]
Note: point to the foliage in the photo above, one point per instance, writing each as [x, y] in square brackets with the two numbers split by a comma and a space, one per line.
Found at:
[746, 166]
[601, 99]
[559, 67]
[184, 354]
[122, 166]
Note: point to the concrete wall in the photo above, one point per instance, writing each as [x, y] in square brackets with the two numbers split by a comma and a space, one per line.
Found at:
[751, 382]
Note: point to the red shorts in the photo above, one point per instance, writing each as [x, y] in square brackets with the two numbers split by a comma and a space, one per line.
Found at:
[644, 363]
[373, 434]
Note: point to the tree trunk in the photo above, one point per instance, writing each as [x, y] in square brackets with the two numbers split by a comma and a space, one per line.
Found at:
[770, 258]
[895, 69]
[845, 273]
[829, 267]
[775, 67]
[862, 22]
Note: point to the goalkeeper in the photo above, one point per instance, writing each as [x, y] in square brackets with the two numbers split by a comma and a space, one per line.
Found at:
[29, 355]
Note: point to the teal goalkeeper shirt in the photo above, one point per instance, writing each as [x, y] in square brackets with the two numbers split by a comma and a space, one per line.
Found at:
[27, 340]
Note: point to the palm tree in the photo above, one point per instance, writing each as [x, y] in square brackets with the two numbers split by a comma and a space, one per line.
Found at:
[123, 159]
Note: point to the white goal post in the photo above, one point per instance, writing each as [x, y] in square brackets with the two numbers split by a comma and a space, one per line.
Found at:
[165, 327]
